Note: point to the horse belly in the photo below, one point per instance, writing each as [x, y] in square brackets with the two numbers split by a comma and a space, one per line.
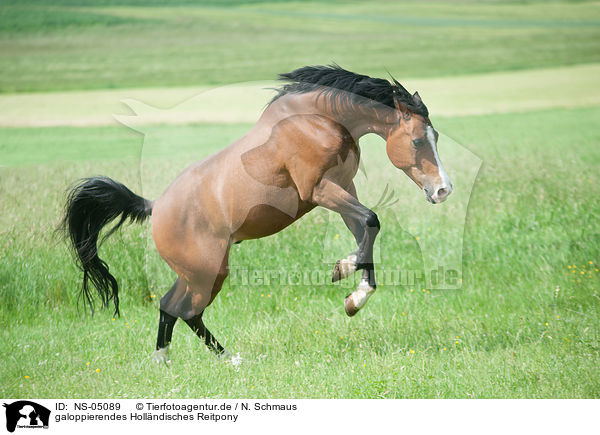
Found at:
[264, 220]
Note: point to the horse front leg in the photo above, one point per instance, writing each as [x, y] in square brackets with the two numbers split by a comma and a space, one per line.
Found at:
[347, 266]
[364, 261]
[365, 226]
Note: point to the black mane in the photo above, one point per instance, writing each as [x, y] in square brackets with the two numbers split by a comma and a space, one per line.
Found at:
[333, 80]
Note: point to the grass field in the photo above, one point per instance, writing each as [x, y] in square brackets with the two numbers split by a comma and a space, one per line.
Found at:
[75, 46]
[526, 322]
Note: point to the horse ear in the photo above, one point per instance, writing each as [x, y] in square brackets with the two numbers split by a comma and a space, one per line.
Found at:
[417, 98]
[400, 105]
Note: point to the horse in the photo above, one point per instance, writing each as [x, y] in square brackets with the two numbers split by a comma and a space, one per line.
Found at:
[302, 153]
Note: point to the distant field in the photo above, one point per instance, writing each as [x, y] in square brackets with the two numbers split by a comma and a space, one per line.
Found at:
[515, 83]
[116, 44]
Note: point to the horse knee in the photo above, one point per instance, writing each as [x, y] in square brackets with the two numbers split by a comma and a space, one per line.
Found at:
[372, 221]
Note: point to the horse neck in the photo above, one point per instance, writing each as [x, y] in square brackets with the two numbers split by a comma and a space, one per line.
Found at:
[360, 120]
[357, 117]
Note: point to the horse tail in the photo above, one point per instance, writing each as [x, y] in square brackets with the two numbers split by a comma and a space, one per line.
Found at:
[91, 204]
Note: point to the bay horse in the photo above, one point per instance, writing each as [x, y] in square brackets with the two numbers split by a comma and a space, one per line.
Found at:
[302, 153]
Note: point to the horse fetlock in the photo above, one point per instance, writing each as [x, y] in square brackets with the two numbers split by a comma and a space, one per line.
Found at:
[344, 268]
[162, 356]
[358, 298]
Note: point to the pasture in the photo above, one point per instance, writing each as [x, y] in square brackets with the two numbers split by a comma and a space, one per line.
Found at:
[525, 323]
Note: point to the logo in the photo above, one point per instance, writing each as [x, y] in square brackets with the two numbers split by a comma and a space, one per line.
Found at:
[26, 414]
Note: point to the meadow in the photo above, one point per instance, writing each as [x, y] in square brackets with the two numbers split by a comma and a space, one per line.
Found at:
[525, 323]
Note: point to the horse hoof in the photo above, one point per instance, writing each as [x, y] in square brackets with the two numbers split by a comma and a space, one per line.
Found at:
[349, 306]
[161, 356]
[344, 268]
[358, 298]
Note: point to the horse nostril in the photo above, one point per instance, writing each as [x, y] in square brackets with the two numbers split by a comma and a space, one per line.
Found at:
[441, 193]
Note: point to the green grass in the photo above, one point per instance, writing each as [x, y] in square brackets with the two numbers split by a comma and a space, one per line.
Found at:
[524, 324]
[534, 212]
[72, 45]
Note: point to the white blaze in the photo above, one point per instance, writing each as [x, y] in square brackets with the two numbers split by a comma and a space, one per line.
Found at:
[431, 139]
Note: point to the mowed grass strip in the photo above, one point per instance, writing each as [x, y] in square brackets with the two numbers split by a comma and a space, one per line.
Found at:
[525, 323]
[499, 92]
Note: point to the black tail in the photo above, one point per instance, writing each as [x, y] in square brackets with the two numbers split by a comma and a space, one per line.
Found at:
[91, 204]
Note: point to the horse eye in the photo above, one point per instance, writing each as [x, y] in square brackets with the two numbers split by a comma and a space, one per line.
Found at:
[418, 142]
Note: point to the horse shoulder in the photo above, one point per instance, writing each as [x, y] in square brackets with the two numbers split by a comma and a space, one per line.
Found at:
[313, 145]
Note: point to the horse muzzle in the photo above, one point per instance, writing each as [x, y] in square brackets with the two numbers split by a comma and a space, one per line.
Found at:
[437, 194]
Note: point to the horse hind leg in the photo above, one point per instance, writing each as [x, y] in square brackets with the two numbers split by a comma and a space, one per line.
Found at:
[166, 324]
[197, 324]
[161, 354]
[174, 301]
[188, 298]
